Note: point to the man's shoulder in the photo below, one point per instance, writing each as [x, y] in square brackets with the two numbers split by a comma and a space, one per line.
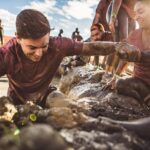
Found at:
[65, 45]
[11, 43]
[9, 49]
[59, 42]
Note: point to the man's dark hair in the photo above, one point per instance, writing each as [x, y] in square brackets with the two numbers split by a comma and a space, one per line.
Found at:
[32, 24]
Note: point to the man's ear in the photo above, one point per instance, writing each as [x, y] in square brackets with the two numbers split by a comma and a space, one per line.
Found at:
[17, 37]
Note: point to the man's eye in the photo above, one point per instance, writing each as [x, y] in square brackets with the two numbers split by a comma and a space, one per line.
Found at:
[32, 48]
[44, 46]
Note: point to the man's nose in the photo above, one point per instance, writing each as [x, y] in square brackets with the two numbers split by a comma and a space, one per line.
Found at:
[137, 16]
[39, 52]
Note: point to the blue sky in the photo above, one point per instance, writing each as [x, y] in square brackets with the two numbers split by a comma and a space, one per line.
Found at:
[65, 14]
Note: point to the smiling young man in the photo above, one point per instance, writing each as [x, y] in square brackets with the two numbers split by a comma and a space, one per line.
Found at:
[31, 59]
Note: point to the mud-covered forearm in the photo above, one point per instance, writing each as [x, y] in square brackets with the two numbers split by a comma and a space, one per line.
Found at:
[121, 67]
[115, 7]
[145, 57]
[98, 48]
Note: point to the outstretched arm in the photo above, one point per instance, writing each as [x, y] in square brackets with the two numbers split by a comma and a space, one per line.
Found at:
[98, 48]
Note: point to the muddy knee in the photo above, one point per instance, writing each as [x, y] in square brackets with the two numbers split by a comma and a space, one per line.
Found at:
[128, 87]
[120, 86]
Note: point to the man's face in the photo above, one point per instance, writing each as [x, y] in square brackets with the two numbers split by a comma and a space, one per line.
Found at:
[34, 49]
[142, 14]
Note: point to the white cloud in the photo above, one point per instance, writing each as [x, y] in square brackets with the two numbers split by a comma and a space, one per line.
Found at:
[46, 6]
[8, 21]
[86, 33]
[68, 22]
[80, 9]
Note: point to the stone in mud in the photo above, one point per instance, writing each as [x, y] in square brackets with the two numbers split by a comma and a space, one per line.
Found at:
[64, 117]
[38, 137]
[57, 99]
[9, 142]
[6, 127]
[85, 90]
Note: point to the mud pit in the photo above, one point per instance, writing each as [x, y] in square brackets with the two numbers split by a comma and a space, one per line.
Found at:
[76, 120]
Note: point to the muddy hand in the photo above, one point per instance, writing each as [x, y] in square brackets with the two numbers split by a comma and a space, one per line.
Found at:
[113, 24]
[128, 52]
[110, 85]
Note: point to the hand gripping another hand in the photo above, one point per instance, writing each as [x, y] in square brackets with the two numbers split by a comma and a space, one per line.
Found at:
[128, 52]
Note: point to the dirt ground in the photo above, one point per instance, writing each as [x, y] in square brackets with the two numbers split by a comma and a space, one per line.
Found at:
[3, 86]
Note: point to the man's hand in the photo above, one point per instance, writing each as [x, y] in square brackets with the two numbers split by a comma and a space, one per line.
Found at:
[96, 32]
[111, 84]
[112, 24]
[128, 52]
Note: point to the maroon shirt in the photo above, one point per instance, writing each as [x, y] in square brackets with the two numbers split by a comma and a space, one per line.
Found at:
[141, 70]
[30, 80]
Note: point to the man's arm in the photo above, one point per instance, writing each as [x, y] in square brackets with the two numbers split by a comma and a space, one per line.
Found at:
[115, 9]
[121, 67]
[98, 48]
[68, 47]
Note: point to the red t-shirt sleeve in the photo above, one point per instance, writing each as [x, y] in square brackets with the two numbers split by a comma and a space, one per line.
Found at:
[6, 59]
[66, 46]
